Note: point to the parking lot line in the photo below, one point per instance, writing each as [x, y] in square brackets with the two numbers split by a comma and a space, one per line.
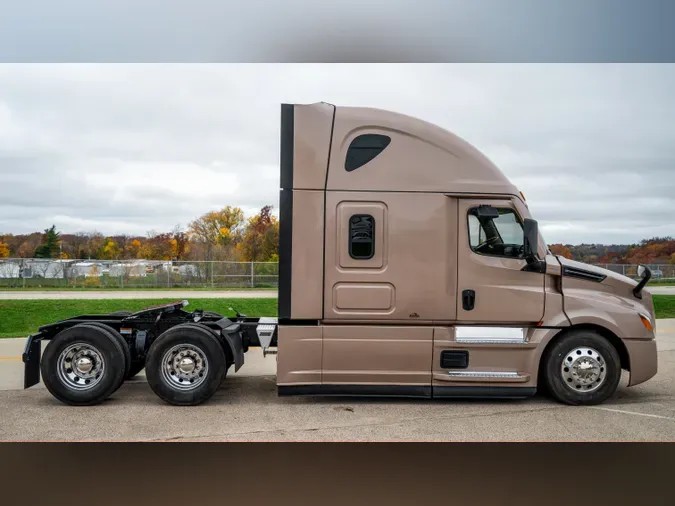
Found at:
[622, 411]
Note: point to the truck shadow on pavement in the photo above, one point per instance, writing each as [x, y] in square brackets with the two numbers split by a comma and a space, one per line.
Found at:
[263, 390]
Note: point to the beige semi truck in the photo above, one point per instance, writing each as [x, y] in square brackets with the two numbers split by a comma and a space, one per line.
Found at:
[409, 265]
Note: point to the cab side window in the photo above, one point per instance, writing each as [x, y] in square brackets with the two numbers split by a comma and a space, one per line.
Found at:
[496, 236]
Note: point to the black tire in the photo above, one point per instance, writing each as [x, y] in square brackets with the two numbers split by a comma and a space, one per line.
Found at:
[135, 365]
[186, 334]
[125, 347]
[567, 392]
[111, 352]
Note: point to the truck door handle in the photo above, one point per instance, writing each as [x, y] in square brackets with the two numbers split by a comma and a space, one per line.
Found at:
[468, 299]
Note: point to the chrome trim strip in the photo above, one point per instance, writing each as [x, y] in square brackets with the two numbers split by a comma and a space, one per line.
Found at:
[487, 374]
[491, 341]
[509, 335]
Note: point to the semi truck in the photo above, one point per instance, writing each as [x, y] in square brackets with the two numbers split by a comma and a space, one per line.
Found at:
[409, 265]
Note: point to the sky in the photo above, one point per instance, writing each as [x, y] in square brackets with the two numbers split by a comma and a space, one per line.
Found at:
[134, 148]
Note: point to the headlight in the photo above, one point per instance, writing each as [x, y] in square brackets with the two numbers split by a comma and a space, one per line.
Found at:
[647, 322]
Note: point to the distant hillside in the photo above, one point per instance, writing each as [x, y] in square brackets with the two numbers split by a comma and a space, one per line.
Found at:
[658, 250]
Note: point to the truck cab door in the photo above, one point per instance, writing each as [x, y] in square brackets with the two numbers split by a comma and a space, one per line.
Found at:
[493, 282]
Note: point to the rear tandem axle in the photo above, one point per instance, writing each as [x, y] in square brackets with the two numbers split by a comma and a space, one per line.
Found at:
[186, 355]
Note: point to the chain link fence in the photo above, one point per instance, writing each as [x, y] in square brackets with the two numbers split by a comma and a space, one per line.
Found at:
[44, 273]
[660, 272]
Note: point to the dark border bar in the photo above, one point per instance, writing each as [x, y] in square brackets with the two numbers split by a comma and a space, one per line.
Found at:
[286, 212]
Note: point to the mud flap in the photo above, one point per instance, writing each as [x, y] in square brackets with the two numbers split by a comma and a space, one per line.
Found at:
[232, 335]
[237, 347]
[31, 359]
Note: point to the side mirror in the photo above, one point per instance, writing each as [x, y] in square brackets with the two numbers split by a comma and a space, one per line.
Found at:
[531, 238]
[646, 274]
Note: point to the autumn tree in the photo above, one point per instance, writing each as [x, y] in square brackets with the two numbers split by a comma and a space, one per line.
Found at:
[50, 247]
[180, 243]
[133, 249]
[122, 242]
[4, 250]
[157, 246]
[560, 249]
[652, 251]
[95, 244]
[12, 244]
[261, 237]
[26, 250]
[111, 250]
[75, 245]
[218, 228]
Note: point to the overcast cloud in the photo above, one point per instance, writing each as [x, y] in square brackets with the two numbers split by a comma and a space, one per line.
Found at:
[133, 148]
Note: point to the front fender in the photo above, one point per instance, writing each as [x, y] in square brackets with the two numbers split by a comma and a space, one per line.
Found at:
[613, 312]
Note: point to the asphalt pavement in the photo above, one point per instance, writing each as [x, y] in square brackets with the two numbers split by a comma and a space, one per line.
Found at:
[247, 408]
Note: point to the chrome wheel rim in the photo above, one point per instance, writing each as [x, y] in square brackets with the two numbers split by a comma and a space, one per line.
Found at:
[184, 367]
[81, 366]
[584, 369]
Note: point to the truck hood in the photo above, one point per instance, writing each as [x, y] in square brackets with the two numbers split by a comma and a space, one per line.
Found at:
[617, 284]
[611, 277]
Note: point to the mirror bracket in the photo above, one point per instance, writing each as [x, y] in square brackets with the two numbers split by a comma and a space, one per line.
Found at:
[534, 265]
[486, 211]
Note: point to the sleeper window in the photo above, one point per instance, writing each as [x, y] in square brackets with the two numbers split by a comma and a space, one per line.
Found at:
[363, 149]
[361, 237]
[502, 236]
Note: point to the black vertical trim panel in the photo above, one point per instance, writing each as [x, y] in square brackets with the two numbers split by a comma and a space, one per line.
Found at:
[285, 253]
[286, 211]
[287, 147]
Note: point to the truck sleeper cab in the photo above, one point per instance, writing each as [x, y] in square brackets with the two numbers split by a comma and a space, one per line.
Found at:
[435, 280]
[409, 265]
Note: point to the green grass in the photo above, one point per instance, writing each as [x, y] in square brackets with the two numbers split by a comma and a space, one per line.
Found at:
[658, 282]
[664, 306]
[133, 289]
[19, 318]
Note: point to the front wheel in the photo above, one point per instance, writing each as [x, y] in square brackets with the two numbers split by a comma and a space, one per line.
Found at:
[186, 365]
[582, 368]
